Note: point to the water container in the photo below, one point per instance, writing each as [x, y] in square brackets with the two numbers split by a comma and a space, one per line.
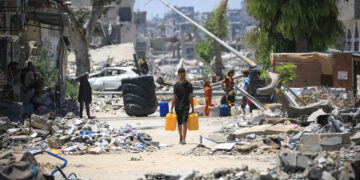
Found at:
[194, 101]
[224, 110]
[164, 109]
[247, 109]
[193, 121]
[235, 111]
[170, 122]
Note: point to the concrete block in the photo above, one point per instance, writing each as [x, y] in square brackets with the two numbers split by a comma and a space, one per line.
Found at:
[21, 138]
[308, 148]
[218, 137]
[287, 160]
[356, 138]
[40, 122]
[54, 129]
[310, 139]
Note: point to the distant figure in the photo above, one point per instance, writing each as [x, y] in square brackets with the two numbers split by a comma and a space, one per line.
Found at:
[144, 68]
[246, 87]
[213, 78]
[85, 95]
[182, 99]
[33, 83]
[208, 95]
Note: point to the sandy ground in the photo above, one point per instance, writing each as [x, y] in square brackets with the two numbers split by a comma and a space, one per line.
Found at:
[167, 159]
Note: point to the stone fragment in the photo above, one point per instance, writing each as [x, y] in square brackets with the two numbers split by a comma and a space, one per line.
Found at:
[55, 143]
[313, 117]
[218, 137]
[13, 130]
[82, 147]
[356, 138]
[40, 122]
[21, 138]
[95, 150]
[41, 132]
[55, 129]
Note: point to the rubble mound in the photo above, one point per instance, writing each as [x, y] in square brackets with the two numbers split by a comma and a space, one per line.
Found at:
[71, 135]
[340, 99]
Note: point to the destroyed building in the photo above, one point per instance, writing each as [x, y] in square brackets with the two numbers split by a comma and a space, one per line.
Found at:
[349, 15]
[25, 28]
[116, 25]
[140, 23]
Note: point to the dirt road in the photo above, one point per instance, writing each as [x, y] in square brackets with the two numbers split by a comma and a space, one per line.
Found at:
[166, 160]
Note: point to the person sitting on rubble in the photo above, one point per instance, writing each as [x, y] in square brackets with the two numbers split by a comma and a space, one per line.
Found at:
[39, 105]
[33, 83]
[85, 95]
[144, 68]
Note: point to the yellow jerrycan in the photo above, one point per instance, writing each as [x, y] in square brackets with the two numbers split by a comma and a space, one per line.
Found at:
[193, 121]
[170, 122]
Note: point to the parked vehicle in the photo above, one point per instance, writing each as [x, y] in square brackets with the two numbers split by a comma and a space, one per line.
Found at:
[110, 78]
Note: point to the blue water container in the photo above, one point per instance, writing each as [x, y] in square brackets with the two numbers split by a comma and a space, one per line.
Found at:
[164, 109]
[224, 110]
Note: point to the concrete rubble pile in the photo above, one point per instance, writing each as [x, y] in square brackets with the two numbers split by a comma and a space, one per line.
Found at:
[242, 172]
[339, 98]
[108, 104]
[72, 135]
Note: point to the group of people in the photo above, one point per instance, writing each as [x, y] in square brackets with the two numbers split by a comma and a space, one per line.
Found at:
[182, 98]
[24, 84]
[228, 86]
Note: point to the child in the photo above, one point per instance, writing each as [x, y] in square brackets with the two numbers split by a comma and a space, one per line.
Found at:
[208, 95]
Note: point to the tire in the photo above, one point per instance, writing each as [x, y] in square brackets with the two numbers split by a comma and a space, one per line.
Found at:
[135, 99]
[146, 82]
[137, 110]
[135, 89]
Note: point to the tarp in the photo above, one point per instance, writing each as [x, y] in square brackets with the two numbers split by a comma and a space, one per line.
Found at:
[324, 59]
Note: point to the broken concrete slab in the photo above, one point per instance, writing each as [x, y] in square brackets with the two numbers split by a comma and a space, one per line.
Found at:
[266, 129]
[208, 143]
[21, 138]
[313, 117]
[225, 146]
[317, 142]
[40, 122]
[293, 160]
[355, 138]
[218, 137]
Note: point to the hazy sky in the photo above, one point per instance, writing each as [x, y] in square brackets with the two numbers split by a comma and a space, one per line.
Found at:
[155, 7]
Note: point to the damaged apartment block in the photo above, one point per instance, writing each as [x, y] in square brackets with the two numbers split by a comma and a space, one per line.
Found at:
[25, 27]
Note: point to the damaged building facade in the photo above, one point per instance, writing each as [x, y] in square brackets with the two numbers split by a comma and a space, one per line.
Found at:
[116, 25]
[349, 15]
[25, 28]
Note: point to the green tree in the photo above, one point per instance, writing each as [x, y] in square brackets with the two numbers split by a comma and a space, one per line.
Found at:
[81, 33]
[292, 26]
[217, 24]
[47, 70]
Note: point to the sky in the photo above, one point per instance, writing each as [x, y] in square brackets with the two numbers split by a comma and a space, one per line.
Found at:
[155, 7]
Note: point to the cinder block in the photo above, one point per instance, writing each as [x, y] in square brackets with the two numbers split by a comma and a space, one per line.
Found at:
[310, 139]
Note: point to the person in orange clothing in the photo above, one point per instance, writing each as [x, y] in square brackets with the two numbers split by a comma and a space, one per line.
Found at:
[208, 95]
[228, 83]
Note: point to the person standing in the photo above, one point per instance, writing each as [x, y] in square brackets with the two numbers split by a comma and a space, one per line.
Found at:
[85, 95]
[228, 83]
[182, 99]
[208, 95]
[246, 87]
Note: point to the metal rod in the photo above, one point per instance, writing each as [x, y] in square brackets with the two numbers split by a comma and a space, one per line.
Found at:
[247, 60]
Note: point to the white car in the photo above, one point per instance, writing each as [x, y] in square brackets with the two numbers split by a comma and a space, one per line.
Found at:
[110, 78]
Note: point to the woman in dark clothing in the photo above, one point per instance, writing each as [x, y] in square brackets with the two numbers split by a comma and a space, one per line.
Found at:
[85, 95]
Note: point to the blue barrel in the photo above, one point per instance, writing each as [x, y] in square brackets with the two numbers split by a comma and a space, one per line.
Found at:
[164, 109]
[224, 110]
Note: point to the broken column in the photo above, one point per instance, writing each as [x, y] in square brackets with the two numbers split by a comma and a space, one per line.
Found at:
[291, 110]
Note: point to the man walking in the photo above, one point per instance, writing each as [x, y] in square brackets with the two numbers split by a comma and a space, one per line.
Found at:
[182, 99]
[85, 95]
